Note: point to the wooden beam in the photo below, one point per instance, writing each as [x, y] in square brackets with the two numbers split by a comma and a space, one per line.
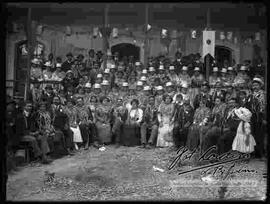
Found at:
[30, 51]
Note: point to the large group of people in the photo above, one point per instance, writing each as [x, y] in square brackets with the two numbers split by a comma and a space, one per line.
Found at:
[165, 103]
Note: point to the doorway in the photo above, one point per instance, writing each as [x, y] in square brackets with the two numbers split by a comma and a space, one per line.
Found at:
[223, 53]
[126, 49]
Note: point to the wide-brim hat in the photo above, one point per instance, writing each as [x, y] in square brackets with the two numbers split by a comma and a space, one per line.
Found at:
[137, 63]
[196, 69]
[35, 61]
[243, 68]
[243, 113]
[169, 84]
[143, 78]
[257, 80]
[99, 75]
[144, 71]
[112, 66]
[69, 71]
[230, 69]
[146, 88]
[139, 83]
[97, 86]
[223, 70]
[159, 88]
[215, 69]
[161, 67]
[151, 69]
[184, 68]
[184, 85]
[87, 85]
[48, 64]
[105, 83]
[106, 71]
[58, 65]
[125, 84]
[171, 67]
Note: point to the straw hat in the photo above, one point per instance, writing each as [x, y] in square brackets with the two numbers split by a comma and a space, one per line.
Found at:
[69, 71]
[257, 79]
[224, 70]
[106, 71]
[87, 85]
[112, 66]
[215, 69]
[105, 83]
[97, 86]
[184, 68]
[139, 83]
[184, 85]
[99, 76]
[243, 113]
[169, 84]
[196, 69]
[143, 78]
[161, 67]
[144, 71]
[171, 67]
[151, 69]
[146, 88]
[243, 68]
[48, 64]
[230, 69]
[35, 61]
[58, 65]
[159, 88]
[137, 63]
[125, 84]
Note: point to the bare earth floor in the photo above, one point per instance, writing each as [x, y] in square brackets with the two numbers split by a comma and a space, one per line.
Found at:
[127, 173]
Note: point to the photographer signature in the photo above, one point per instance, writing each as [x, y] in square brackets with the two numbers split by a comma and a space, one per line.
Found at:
[218, 165]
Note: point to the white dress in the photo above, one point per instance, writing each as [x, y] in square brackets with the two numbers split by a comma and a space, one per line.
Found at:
[239, 140]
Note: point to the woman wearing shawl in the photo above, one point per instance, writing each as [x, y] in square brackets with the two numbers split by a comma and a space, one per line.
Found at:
[103, 116]
[165, 119]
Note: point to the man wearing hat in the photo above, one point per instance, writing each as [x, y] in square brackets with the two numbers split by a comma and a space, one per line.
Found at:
[256, 103]
[152, 75]
[184, 76]
[58, 74]
[144, 97]
[178, 64]
[68, 63]
[70, 80]
[124, 90]
[204, 93]
[159, 95]
[105, 88]
[224, 77]
[161, 72]
[230, 75]
[170, 89]
[96, 90]
[107, 76]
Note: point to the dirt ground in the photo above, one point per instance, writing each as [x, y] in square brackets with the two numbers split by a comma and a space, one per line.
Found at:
[127, 173]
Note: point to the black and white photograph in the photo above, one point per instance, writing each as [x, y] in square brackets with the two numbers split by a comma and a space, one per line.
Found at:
[131, 101]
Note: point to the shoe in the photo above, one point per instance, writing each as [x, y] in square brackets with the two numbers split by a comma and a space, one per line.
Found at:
[142, 146]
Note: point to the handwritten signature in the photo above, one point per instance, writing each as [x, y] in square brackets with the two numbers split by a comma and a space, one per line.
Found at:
[218, 165]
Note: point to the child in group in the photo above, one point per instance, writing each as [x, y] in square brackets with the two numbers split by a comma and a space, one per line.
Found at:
[243, 142]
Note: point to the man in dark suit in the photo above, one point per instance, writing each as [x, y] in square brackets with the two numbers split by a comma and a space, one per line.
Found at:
[26, 131]
[68, 63]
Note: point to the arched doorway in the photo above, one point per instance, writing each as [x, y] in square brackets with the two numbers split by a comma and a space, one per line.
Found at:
[126, 49]
[223, 53]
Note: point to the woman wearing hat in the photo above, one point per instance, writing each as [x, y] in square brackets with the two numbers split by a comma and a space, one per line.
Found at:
[231, 75]
[196, 81]
[103, 121]
[213, 78]
[131, 128]
[173, 76]
[242, 78]
[184, 76]
[243, 141]
[73, 115]
[165, 119]
[200, 119]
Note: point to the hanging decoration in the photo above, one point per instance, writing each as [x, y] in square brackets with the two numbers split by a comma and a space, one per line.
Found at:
[222, 35]
[68, 31]
[95, 32]
[209, 43]
[258, 36]
[193, 34]
[229, 35]
[115, 32]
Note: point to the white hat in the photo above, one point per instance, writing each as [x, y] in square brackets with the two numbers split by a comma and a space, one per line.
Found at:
[243, 113]
[184, 68]
[257, 79]
[230, 68]
[48, 64]
[215, 69]
[224, 70]
[112, 66]
[169, 83]
[106, 71]
[171, 67]
[137, 63]
[151, 69]
[58, 65]
[35, 61]
[143, 78]
[87, 85]
[105, 83]
[184, 85]
[243, 68]
[159, 88]
[146, 88]
[69, 71]
[196, 69]
[144, 71]
[97, 86]
[161, 67]
[99, 76]
[139, 83]
[125, 84]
